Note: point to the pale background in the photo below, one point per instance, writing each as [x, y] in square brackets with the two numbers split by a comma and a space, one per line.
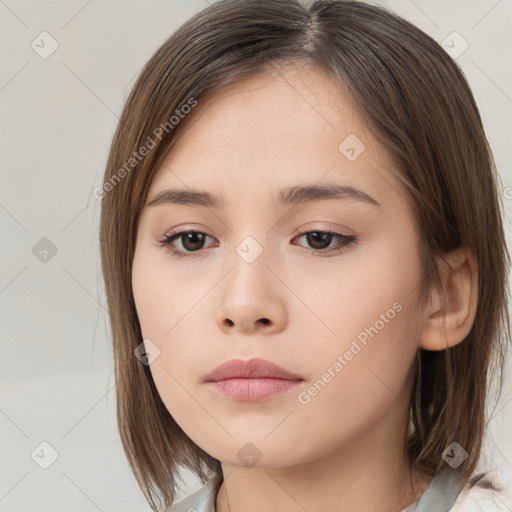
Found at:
[57, 118]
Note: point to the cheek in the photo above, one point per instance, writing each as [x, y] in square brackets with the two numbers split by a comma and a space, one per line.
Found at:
[163, 297]
[366, 313]
[163, 312]
[362, 370]
[168, 305]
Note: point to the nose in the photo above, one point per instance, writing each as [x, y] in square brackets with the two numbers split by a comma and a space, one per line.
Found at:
[252, 299]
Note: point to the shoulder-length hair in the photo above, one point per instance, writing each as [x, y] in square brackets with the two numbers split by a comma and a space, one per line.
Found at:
[417, 103]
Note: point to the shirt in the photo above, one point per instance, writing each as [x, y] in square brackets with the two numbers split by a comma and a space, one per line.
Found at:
[443, 494]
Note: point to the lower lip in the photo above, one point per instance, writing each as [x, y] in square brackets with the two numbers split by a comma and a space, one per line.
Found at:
[253, 390]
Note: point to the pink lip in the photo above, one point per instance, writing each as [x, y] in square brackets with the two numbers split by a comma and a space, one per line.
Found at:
[251, 381]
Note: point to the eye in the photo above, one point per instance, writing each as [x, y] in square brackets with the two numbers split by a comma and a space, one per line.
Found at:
[190, 240]
[321, 240]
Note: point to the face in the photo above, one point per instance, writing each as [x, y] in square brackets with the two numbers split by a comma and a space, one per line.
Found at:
[322, 281]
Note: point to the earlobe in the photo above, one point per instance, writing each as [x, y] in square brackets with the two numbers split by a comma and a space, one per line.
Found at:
[451, 311]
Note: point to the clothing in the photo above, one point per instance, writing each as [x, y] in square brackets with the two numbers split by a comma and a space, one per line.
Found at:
[442, 495]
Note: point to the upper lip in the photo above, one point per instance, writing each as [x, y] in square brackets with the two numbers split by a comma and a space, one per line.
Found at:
[251, 369]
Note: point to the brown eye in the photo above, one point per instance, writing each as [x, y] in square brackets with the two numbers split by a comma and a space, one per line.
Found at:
[320, 241]
[190, 241]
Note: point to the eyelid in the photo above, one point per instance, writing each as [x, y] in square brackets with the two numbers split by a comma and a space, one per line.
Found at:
[175, 233]
[336, 229]
[187, 229]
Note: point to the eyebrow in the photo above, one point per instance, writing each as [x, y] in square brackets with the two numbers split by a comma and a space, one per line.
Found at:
[298, 194]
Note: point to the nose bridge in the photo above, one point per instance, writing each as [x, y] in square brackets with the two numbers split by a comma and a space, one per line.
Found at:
[249, 261]
[249, 296]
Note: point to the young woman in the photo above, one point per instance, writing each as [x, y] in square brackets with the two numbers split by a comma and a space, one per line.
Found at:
[305, 265]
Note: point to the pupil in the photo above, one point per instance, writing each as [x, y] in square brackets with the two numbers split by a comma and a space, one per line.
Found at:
[189, 237]
[313, 240]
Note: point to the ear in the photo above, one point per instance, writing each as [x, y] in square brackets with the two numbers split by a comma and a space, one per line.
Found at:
[448, 322]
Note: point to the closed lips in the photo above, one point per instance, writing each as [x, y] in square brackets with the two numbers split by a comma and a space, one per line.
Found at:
[251, 369]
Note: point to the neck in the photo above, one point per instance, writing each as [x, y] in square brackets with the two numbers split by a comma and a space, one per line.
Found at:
[370, 472]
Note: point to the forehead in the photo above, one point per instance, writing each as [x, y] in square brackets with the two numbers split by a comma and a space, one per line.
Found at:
[275, 129]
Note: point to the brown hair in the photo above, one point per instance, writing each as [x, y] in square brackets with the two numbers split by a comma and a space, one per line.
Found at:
[418, 104]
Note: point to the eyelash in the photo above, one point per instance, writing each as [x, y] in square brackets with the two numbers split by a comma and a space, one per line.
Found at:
[346, 241]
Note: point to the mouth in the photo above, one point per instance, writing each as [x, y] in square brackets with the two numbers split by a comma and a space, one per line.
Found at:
[254, 380]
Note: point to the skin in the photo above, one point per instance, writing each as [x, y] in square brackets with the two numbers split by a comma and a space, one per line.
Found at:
[343, 450]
